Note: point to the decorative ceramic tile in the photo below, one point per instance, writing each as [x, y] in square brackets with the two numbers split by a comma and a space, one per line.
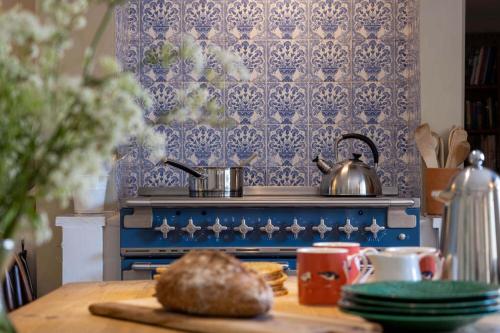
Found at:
[152, 72]
[315, 177]
[373, 18]
[381, 136]
[203, 145]
[245, 19]
[373, 59]
[329, 103]
[319, 69]
[246, 103]
[255, 176]
[164, 99]
[203, 18]
[187, 66]
[323, 142]
[287, 19]
[287, 103]
[287, 60]
[287, 176]
[287, 145]
[161, 176]
[386, 174]
[242, 142]
[253, 55]
[173, 140]
[161, 19]
[330, 61]
[330, 18]
[372, 102]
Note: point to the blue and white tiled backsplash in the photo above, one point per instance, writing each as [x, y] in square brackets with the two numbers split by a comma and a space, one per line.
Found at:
[319, 69]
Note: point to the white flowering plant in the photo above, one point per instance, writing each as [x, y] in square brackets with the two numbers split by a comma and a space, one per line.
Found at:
[55, 127]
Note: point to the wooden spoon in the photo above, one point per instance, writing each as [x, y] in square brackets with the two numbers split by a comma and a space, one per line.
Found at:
[426, 145]
[457, 136]
[436, 139]
[458, 155]
[441, 152]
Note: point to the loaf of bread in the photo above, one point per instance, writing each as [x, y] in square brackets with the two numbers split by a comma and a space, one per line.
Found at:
[213, 283]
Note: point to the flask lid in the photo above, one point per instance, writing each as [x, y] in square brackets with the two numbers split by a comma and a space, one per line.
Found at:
[476, 159]
[475, 178]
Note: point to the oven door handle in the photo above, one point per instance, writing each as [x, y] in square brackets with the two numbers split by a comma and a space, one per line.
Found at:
[146, 266]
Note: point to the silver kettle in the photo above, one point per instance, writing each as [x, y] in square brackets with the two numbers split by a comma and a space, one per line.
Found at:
[351, 177]
[470, 236]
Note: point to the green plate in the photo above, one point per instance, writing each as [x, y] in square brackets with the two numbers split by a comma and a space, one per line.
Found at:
[418, 323]
[345, 304]
[424, 291]
[438, 305]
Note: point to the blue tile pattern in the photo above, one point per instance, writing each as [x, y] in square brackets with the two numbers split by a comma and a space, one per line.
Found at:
[319, 69]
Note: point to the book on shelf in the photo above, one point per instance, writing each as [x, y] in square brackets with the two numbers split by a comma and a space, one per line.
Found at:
[488, 147]
[481, 66]
[481, 114]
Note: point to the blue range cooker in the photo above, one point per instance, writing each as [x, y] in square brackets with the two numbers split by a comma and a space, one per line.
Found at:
[267, 224]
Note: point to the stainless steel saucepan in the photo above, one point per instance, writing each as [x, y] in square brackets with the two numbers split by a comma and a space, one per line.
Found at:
[212, 181]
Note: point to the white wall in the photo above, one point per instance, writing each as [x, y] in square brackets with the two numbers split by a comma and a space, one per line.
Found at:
[442, 42]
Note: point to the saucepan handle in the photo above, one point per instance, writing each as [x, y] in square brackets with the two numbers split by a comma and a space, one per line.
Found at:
[183, 167]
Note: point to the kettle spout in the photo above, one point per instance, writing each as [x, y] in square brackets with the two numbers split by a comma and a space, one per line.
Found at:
[442, 196]
[322, 165]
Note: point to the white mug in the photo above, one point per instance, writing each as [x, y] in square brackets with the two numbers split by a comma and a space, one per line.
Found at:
[430, 261]
[395, 266]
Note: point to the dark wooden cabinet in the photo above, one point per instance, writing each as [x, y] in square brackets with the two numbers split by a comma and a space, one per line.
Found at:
[482, 94]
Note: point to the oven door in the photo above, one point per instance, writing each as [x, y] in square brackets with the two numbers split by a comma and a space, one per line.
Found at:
[145, 268]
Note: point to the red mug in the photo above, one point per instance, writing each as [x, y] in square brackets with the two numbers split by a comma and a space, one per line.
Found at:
[322, 272]
[353, 249]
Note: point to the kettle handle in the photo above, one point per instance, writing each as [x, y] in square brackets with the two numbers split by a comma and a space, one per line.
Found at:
[363, 138]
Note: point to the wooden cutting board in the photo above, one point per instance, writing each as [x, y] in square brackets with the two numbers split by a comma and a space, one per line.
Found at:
[149, 311]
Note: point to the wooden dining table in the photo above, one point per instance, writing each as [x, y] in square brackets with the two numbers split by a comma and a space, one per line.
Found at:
[65, 310]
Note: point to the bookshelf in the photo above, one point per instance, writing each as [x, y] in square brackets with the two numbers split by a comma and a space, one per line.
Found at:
[482, 94]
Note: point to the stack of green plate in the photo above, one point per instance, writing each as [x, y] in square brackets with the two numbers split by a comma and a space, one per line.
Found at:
[425, 305]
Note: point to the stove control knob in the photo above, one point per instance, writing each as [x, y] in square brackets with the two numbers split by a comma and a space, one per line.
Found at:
[374, 228]
[243, 228]
[191, 228]
[165, 228]
[348, 228]
[217, 228]
[295, 228]
[269, 228]
[322, 228]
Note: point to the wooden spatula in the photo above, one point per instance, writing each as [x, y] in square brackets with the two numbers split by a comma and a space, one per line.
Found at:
[441, 152]
[436, 139]
[458, 155]
[426, 145]
[457, 136]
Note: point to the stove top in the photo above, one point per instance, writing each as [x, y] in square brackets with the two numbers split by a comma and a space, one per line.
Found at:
[263, 196]
[268, 223]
